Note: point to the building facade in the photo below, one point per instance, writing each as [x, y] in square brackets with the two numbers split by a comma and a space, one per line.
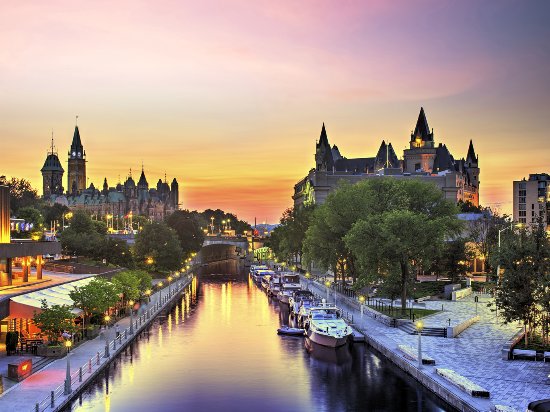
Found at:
[532, 199]
[458, 179]
[124, 199]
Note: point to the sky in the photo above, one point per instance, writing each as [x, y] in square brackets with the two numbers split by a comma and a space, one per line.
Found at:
[229, 96]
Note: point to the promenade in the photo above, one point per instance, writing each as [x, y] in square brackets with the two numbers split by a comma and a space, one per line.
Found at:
[475, 353]
[37, 389]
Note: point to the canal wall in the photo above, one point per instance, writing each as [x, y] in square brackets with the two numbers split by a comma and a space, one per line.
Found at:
[388, 348]
[161, 302]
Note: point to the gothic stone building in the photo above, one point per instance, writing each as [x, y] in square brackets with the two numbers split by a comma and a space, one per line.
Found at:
[458, 179]
[154, 203]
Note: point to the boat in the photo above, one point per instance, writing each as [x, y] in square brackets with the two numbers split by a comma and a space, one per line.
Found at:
[296, 299]
[306, 304]
[326, 327]
[290, 283]
[259, 274]
[286, 330]
[265, 282]
[274, 285]
[255, 268]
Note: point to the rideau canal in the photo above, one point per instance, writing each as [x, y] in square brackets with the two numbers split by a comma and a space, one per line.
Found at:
[218, 350]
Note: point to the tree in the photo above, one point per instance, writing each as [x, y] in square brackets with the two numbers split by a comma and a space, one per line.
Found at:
[525, 257]
[22, 194]
[188, 229]
[54, 320]
[157, 246]
[81, 237]
[115, 251]
[54, 213]
[452, 261]
[31, 215]
[405, 231]
[288, 238]
[95, 298]
[128, 284]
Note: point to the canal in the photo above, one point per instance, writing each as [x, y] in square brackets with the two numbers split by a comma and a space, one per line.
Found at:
[218, 351]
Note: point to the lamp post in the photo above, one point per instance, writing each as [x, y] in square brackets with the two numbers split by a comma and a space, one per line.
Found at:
[148, 294]
[361, 303]
[160, 291]
[308, 277]
[327, 284]
[68, 389]
[131, 304]
[107, 354]
[419, 326]
[169, 283]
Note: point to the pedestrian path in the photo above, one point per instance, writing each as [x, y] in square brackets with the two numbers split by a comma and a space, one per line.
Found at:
[475, 353]
[90, 355]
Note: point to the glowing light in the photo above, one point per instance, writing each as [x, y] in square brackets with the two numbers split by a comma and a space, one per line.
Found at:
[68, 343]
[419, 325]
[361, 299]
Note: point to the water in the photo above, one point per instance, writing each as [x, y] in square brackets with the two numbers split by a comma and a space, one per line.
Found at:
[218, 351]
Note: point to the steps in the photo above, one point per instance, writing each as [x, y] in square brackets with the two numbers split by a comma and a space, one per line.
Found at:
[41, 364]
[427, 331]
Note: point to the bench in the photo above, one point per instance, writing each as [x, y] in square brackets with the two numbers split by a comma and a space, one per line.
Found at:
[463, 383]
[546, 355]
[412, 354]
[524, 353]
[422, 299]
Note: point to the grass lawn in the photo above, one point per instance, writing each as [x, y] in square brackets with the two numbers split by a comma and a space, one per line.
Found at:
[399, 314]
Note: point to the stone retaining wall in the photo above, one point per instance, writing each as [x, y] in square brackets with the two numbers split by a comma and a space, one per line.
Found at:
[461, 293]
[454, 331]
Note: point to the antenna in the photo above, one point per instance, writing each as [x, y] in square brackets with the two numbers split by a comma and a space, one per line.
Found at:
[52, 141]
[76, 121]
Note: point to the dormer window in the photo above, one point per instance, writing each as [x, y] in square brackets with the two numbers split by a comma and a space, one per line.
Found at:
[78, 154]
[418, 141]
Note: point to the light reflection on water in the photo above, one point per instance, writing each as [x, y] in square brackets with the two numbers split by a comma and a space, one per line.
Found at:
[218, 350]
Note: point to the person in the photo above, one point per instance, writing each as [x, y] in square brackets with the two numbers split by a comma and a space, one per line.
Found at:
[117, 330]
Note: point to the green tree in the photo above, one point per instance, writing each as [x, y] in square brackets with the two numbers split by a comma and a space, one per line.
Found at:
[157, 246]
[81, 237]
[22, 194]
[129, 284]
[452, 261]
[31, 215]
[188, 229]
[525, 257]
[287, 239]
[95, 298]
[54, 320]
[403, 227]
[54, 213]
[115, 251]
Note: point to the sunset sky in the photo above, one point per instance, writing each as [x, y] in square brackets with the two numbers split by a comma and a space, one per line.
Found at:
[229, 96]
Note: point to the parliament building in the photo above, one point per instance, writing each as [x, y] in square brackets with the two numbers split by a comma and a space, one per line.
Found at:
[124, 199]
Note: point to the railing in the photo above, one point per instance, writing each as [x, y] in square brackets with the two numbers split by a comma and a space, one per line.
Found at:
[98, 360]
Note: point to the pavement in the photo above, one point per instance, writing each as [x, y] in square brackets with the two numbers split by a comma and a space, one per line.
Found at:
[475, 353]
[23, 396]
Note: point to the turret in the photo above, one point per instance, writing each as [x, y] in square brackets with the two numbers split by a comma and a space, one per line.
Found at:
[52, 174]
[323, 153]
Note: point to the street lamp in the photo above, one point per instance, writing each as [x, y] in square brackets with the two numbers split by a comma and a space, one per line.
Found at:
[419, 326]
[327, 284]
[148, 294]
[169, 283]
[361, 302]
[131, 304]
[68, 389]
[107, 319]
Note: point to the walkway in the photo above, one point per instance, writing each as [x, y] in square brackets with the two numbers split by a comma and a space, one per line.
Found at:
[24, 396]
[475, 354]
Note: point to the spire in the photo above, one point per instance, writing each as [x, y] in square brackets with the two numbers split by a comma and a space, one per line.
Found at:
[471, 156]
[76, 145]
[323, 139]
[422, 129]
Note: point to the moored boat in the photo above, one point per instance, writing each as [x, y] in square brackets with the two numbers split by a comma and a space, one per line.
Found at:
[290, 283]
[326, 327]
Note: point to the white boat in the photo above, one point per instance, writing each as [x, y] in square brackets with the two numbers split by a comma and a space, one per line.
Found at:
[274, 285]
[255, 268]
[258, 274]
[326, 327]
[290, 283]
[295, 301]
[302, 315]
[265, 282]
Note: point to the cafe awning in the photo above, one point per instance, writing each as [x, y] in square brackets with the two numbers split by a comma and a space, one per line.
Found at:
[24, 306]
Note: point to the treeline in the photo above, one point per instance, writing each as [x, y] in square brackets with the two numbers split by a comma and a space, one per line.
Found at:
[386, 231]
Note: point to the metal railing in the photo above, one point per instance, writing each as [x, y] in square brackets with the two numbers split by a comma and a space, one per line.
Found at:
[78, 378]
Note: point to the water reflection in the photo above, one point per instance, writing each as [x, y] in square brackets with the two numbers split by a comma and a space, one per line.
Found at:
[218, 350]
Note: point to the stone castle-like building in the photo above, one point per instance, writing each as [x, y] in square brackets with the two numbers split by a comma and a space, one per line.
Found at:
[123, 199]
[458, 179]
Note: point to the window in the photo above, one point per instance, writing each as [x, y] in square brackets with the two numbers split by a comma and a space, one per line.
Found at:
[522, 213]
[523, 192]
[522, 206]
[522, 220]
[521, 200]
[522, 185]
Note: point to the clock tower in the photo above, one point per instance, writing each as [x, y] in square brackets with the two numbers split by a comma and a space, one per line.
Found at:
[76, 176]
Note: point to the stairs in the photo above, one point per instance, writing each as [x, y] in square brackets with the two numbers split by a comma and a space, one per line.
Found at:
[41, 364]
[427, 331]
